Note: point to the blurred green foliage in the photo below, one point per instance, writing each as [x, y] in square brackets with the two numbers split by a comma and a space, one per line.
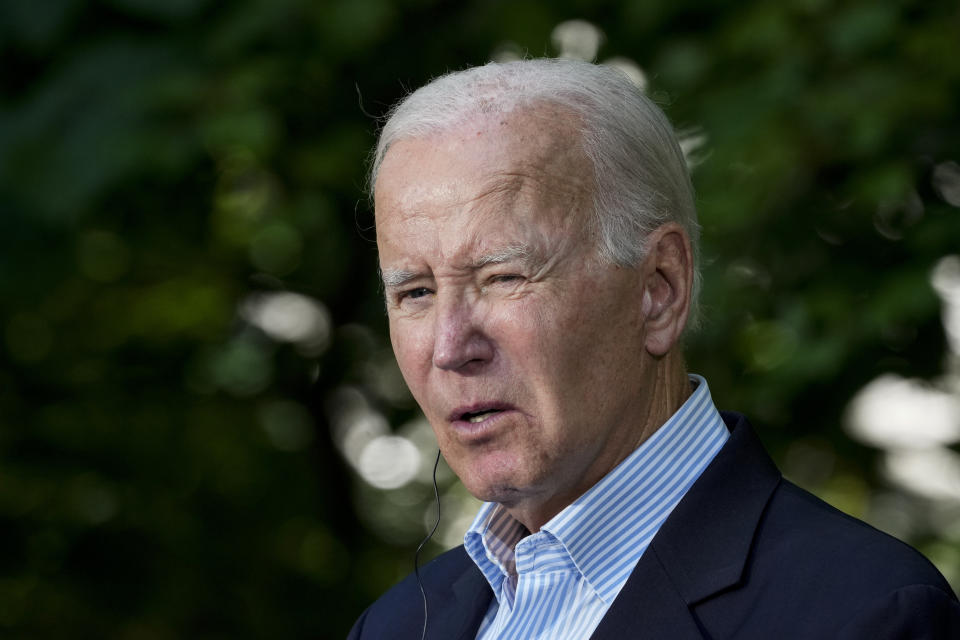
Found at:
[172, 455]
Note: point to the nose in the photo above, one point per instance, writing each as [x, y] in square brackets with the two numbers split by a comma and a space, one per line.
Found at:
[460, 340]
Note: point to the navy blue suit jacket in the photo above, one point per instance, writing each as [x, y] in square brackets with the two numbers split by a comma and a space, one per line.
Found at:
[745, 554]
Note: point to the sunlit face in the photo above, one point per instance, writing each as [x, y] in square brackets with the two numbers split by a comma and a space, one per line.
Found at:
[523, 348]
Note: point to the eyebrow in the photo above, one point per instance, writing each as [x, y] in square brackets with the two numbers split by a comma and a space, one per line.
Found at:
[393, 278]
[397, 277]
[506, 254]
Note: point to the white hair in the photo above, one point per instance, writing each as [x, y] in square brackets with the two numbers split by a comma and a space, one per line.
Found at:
[640, 177]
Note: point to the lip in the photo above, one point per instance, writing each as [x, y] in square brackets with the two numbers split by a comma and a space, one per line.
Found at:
[482, 428]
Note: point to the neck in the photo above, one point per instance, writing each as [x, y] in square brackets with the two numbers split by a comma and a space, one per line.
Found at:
[670, 389]
[663, 393]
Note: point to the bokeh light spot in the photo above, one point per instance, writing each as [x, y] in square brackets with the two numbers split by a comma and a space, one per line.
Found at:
[506, 52]
[932, 473]
[577, 39]
[389, 462]
[946, 182]
[289, 317]
[631, 69]
[946, 282]
[885, 414]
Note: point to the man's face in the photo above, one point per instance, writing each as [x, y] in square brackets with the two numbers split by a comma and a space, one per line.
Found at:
[523, 348]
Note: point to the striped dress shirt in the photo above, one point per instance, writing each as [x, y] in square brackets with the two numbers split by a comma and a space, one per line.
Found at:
[558, 583]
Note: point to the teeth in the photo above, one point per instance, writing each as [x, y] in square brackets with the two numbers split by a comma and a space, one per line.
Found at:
[479, 417]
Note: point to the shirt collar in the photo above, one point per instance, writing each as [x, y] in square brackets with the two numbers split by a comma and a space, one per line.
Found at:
[490, 542]
[591, 529]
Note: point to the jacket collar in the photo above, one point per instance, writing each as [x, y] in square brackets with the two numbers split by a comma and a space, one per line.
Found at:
[456, 613]
[703, 546]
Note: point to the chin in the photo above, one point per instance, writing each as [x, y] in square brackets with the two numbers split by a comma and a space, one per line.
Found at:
[494, 478]
[502, 491]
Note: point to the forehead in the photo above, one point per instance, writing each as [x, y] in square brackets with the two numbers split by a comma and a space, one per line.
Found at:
[529, 158]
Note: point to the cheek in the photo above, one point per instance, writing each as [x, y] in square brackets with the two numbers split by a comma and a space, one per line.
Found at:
[557, 338]
[522, 333]
[545, 359]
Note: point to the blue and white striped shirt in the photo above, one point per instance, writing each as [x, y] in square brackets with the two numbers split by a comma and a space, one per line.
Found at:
[558, 583]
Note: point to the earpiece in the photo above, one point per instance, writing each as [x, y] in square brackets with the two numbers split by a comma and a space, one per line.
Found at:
[416, 556]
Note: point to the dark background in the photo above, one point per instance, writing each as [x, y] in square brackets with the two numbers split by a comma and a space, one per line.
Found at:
[203, 433]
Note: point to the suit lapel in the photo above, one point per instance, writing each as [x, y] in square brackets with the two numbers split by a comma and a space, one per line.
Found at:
[648, 608]
[703, 546]
[459, 611]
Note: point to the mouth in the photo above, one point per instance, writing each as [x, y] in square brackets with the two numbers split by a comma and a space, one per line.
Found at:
[476, 414]
[475, 417]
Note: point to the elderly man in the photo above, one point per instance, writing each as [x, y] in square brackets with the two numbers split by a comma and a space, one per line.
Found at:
[538, 243]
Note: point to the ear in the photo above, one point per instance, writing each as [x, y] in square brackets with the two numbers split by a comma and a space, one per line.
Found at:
[668, 282]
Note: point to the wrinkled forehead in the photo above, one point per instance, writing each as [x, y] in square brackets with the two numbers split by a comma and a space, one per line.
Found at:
[492, 150]
[492, 182]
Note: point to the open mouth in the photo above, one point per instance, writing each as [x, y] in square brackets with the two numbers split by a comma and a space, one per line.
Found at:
[474, 417]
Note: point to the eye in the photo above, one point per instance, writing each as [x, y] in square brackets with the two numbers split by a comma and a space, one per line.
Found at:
[505, 282]
[413, 294]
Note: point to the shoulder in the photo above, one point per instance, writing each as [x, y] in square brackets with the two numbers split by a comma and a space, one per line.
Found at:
[822, 537]
[862, 583]
[791, 554]
[800, 535]
[918, 611]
